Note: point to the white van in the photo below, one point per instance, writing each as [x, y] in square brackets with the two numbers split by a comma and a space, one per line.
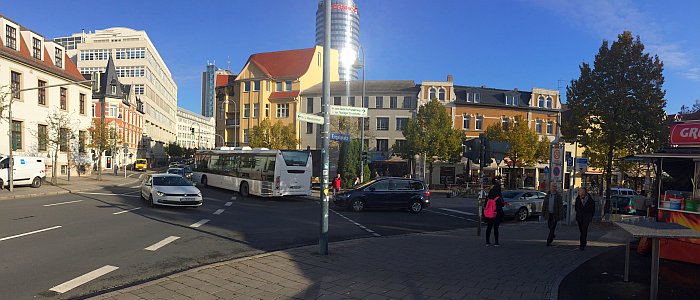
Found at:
[28, 170]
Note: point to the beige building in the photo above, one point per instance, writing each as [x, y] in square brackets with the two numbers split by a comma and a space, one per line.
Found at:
[194, 130]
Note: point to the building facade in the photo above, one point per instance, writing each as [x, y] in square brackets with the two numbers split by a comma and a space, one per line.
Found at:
[195, 130]
[137, 63]
[208, 92]
[29, 62]
[345, 34]
[227, 113]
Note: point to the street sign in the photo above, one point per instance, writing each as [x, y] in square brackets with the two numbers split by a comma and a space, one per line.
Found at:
[310, 118]
[556, 154]
[569, 161]
[582, 164]
[546, 169]
[348, 111]
[340, 137]
[556, 173]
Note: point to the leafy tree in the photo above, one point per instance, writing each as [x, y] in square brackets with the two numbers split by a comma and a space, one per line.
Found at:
[527, 148]
[431, 133]
[349, 162]
[273, 136]
[60, 131]
[617, 105]
[103, 137]
[174, 150]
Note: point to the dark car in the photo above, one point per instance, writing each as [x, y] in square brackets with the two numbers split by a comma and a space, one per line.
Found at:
[386, 192]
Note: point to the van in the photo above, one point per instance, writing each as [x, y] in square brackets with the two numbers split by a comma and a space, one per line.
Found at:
[141, 164]
[27, 171]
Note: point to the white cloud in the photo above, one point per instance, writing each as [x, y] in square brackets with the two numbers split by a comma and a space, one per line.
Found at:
[692, 73]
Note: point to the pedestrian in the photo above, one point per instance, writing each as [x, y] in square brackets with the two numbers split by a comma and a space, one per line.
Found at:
[376, 174]
[336, 184]
[552, 209]
[357, 181]
[585, 209]
[493, 212]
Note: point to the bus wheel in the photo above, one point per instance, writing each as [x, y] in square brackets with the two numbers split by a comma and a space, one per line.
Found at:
[244, 189]
[204, 180]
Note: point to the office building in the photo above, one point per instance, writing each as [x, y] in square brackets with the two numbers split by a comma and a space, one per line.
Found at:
[195, 130]
[208, 86]
[345, 34]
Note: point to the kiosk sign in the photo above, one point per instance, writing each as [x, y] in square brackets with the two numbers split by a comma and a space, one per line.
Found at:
[685, 134]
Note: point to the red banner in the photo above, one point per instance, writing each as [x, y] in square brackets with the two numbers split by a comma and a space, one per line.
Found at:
[685, 134]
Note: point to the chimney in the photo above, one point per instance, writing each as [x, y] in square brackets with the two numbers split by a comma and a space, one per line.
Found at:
[449, 77]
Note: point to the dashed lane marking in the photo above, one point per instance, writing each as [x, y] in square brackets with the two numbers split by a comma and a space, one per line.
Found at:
[458, 217]
[218, 211]
[200, 223]
[459, 211]
[109, 194]
[28, 233]
[233, 198]
[228, 204]
[162, 243]
[73, 283]
[356, 224]
[125, 211]
[61, 203]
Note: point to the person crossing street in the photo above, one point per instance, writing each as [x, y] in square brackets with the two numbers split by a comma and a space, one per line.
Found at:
[552, 210]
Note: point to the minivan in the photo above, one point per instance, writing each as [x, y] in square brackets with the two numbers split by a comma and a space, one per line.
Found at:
[386, 192]
[27, 171]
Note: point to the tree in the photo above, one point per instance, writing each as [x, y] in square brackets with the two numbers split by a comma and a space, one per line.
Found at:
[60, 131]
[431, 134]
[273, 136]
[349, 162]
[174, 150]
[617, 105]
[527, 148]
[102, 138]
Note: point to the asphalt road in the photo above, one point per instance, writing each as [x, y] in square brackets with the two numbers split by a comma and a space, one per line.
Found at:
[73, 245]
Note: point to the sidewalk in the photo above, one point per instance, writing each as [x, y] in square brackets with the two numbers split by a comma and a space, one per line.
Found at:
[444, 265]
[76, 184]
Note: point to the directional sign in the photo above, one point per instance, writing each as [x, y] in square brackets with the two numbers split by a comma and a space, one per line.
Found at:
[310, 118]
[340, 137]
[348, 111]
[582, 164]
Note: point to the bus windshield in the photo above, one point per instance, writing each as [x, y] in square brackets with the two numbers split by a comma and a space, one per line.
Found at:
[295, 158]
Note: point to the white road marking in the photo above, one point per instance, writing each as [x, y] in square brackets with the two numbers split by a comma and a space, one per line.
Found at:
[67, 202]
[228, 203]
[356, 224]
[162, 243]
[73, 283]
[28, 233]
[129, 193]
[200, 223]
[459, 211]
[218, 211]
[458, 217]
[125, 211]
[108, 194]
[233, 197]
[135, 187]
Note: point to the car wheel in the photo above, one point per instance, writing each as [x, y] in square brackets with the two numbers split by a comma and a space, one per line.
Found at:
[204, 180]
[2, 185]
[522, 214]
[357, 205]
[36, 182]
[244, 189]
[150, 201]
[142, 197]
[416, 207]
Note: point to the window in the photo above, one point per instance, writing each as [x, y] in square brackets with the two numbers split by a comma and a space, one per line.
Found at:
[479, 122]
[58, 58]
[466, 121]
[407, 102]
[399, 145]
[431, 94]
[11, 37]
[245, 136]
[130, 53]
[540, 101]
[64, 99]
[351, 101]
[382, 145]
[505, 122]
[95, 54]
[138, 89]
[550, 127]
[82, 104]
[382, 123]
[549, 102]
[16, 135]
[379, 102]
[131, 71]
[256, 110]
[42, 93]
[366, 123]
[278, 86]
[63, 136]
[393, 102]
[267, 110]
[246, 86]
[93, 110]
[15, 84]
[256, 85]
[246, 110]
[113, 111]
[283, 110]
[288, 85]
[477, 97]
[365, 102]
[42, 135]
[310, 105]
[441, 94]
[336, 101]
[401, 123]
[538, 126]
[309, 128]
[36, 48]
[267, 86]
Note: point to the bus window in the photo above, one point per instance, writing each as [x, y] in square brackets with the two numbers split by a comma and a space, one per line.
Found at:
[295, 158]
[202, 162]
[246, 166]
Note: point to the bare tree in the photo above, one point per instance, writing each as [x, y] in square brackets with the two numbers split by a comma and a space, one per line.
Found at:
[60, 130]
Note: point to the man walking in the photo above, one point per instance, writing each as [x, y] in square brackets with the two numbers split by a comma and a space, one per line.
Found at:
[585, 209]
[552, 209]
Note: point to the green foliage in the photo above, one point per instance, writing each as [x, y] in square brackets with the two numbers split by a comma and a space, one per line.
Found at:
[174, 150]
[273, 136]
[349, 162]
[527, 148]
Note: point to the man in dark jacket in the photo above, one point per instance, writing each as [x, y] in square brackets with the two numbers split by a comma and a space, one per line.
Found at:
[552, 209]
[585, 209]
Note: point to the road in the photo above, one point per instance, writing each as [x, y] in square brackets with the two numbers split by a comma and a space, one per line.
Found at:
[74, 245]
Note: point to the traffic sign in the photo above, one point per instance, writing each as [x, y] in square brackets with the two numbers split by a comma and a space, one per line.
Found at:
[556, 154]
[546, 169]
[556, 173]
[348, 111]
[310, 118]
[582, 164]
[569, 161]
[340, 137]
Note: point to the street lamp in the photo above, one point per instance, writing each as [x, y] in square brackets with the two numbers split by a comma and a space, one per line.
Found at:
[357, 65]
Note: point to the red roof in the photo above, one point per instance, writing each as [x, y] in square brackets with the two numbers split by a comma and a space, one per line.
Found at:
[283, 95]
[224, 79]
[284, 64]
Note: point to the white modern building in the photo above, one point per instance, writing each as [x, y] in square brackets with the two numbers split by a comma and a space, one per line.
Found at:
[138, 64]
[27, 62]
[195, 130]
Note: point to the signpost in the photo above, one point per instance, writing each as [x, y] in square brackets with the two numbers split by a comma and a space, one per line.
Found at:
[310, 118]
[345, 138]
[582, 164]
[348, 111]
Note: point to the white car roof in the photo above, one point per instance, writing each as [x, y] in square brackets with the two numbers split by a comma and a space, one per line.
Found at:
[165, 175]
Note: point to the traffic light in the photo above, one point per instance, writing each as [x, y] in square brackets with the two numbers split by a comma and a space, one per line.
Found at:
[95, 82]
[487, 153]
[472, 150]
[364, 156]
[192, 130]
[498, 150]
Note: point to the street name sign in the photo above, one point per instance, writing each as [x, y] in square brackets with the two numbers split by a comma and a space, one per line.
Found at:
[348, 111]
[340, 137]
[582, 164]
[310, 118]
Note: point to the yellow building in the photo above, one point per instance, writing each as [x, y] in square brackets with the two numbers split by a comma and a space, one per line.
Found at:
[268, 87]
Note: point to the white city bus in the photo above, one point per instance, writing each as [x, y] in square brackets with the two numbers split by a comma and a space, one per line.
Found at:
[259, 171]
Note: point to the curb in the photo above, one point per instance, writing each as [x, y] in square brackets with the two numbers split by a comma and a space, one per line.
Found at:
[64, 191]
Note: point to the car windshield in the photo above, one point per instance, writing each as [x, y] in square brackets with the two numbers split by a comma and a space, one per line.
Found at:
[174, 171]
[170, 181]
[140, 161]
[364, 185]
[295, 158]
[509, 194]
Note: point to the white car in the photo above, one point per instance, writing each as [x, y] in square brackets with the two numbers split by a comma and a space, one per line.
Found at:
[170, 190]
[27, 171]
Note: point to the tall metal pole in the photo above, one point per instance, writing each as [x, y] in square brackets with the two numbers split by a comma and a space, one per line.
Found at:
[325, 110]
[362, 121]
[102, 130]
[10, 170]
[482, 195]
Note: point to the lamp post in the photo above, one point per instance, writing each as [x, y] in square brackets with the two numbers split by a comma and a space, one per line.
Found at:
[362, 119]
[200, 132]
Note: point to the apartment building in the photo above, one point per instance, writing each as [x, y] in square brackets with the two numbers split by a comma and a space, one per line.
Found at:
[195, 130]
[226, 110]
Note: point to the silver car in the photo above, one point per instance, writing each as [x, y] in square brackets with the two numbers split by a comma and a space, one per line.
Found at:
[522, 204]
[170, 190]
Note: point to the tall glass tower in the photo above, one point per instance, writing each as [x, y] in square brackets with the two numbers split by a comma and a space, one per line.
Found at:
[345, 33]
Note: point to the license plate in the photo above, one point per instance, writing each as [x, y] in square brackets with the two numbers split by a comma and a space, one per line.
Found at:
[295, 187]
[186, 199]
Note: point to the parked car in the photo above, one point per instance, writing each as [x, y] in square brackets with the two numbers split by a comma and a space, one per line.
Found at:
[386, 192]
[185, 172]
[623, 204]
[170, 190]
[521, 204]
[141, 164]
[176, 164]
[27, 171]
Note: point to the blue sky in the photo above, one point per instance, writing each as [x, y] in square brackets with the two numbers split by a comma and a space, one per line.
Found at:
[498, 43]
